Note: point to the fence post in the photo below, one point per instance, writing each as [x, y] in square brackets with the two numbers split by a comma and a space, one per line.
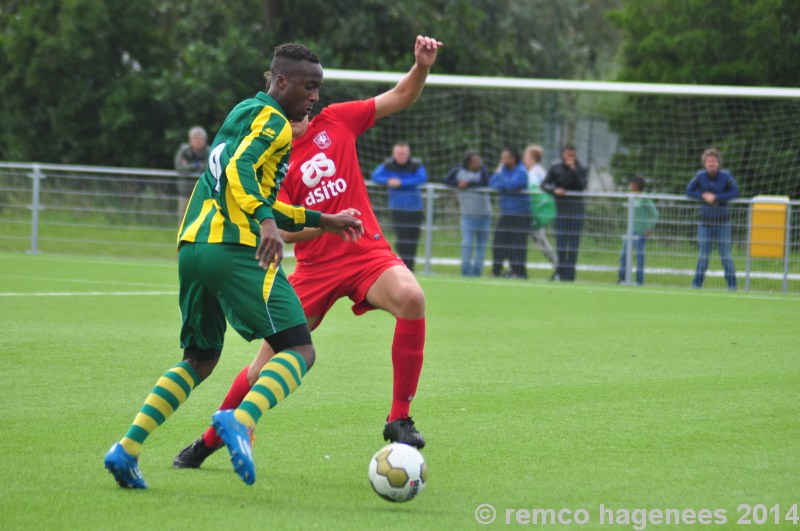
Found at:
[629, 241]
[429, 194]
[35, 207]
[786, 244]
[749, 245]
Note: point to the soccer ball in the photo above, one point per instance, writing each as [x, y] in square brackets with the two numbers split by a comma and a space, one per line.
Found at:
[398, 472]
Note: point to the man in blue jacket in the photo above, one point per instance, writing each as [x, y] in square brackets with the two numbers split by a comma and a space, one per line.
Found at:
[514, 225]
[403, 175]
[715, 187]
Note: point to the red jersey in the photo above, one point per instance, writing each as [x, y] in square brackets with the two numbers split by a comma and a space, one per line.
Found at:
[324, 175]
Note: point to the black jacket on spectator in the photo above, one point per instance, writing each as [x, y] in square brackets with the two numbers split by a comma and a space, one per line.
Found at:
[559, 176]
[569, 215]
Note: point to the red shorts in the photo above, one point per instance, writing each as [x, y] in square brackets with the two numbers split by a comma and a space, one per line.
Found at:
[319, 286]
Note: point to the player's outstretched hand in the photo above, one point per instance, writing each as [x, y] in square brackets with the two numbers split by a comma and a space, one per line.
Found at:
[345, 224]
[270, 248]
[425, 50]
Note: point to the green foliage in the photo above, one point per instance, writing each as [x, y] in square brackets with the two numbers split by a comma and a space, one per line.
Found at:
[729, 42]
[118, 83]
[75, 85]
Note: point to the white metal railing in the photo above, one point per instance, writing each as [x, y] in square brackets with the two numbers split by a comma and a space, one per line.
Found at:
[133, 212]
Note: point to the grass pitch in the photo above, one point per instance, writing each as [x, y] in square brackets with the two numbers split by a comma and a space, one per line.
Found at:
[533, 395]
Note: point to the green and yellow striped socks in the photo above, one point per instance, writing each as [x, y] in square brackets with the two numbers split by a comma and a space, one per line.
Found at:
[171, 391]
[279, 377]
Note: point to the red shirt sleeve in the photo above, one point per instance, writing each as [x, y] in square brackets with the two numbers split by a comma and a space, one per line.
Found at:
[283, 195]
[357, 116]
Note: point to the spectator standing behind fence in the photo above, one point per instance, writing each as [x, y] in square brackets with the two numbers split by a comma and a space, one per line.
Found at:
[514, 225]
[542, 205]
[715, 187]
[403, 175]
[476, 211]
[191, 160]
[645, 217]
[567, 176]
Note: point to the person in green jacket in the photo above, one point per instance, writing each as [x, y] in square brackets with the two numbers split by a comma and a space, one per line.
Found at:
[645, 217]
[543, 206]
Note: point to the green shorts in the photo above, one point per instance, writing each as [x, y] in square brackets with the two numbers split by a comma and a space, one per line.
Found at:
[220, 280]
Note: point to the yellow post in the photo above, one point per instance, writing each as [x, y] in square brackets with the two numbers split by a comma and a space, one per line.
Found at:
[768, 226]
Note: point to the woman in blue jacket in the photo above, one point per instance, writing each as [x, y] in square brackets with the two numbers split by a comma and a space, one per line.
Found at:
[514, 225]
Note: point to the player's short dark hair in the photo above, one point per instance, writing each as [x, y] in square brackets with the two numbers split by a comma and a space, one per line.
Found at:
[287, 55]
[568, 147]
[639, 182]
[514, 153]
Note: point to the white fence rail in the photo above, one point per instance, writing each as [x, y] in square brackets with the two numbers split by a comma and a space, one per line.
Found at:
[46, 208]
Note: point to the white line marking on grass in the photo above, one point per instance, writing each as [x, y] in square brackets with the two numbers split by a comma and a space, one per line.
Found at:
[100, 260]
[83, 293]
[632, 290]
[110, 260]
[86, 281]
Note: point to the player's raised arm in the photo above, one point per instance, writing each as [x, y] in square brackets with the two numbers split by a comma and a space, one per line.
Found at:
[408, 89]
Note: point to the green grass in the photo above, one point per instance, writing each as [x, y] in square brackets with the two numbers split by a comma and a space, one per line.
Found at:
[533, 395]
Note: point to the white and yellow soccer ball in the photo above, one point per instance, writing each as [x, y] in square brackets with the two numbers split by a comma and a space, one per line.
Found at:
[398, 472]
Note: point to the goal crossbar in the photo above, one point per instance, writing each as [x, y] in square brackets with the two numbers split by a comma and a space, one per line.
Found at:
[364, 76]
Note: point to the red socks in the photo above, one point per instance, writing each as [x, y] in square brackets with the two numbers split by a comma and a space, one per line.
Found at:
[407, 349]
[235, 395]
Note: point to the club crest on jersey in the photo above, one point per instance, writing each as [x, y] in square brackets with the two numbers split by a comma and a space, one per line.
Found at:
[323, 140]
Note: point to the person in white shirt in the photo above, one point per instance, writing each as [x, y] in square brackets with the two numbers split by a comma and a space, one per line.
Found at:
[532, 159]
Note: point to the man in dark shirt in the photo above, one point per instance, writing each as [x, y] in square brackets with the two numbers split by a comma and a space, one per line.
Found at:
[565, 176]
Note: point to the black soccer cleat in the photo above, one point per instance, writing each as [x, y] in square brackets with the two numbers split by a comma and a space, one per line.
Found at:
[403, 431]
[193, 455]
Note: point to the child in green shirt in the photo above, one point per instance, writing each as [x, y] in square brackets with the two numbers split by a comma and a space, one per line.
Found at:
[645, 217]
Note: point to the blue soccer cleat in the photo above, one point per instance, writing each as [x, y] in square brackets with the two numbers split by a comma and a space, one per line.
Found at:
[236, 437]
[124, 467]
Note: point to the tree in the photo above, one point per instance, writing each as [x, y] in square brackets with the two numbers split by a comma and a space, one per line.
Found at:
[727, 42]
[118, 83]
[67, 67]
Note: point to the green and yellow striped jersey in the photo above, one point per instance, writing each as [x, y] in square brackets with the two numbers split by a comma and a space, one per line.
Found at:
[248, 162]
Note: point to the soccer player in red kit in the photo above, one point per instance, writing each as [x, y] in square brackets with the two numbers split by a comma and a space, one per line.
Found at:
[324, 174]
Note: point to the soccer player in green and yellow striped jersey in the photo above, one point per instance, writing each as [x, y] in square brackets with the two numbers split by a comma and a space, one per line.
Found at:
[228, 204]
[229, 266]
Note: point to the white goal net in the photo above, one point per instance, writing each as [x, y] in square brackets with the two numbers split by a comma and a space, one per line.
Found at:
[619, 129]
